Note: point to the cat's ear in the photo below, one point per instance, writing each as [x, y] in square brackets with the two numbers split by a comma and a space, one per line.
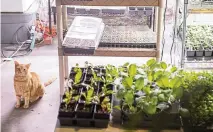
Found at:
[16, 63]
[28, 65]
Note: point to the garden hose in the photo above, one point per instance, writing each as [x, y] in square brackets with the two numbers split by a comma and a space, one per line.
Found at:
[31, 42]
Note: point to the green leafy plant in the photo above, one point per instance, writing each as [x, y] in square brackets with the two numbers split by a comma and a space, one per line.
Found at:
[199, 36]
[198, 104]
[69, 98]
[158, 85]
[78, 75]
[89, 96]
[106, 105]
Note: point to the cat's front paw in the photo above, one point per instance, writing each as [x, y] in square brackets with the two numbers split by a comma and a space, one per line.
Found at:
[26, 106]
[17, 106]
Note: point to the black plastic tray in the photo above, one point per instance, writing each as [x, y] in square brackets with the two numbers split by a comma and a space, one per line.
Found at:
[85, 119]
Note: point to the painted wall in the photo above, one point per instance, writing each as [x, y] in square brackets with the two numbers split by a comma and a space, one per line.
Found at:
[15, 5]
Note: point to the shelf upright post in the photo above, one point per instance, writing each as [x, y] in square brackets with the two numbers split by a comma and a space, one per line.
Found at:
[155, 19]
[159, 28]
[184, 33]
[64, 19]
[60, 51]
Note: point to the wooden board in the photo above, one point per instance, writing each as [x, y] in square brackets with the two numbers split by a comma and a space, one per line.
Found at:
[111, 2]
[122, 52]
[109, 129]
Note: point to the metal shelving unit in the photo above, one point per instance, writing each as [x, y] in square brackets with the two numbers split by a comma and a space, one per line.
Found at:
[61, 11]
[195, 7]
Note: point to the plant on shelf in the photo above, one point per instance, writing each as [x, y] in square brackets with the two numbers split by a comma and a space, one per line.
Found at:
[105, 106]
[198, 101]
[151, 89]
[199, 37]
[162, 87]
[69, 100]
[78, 74]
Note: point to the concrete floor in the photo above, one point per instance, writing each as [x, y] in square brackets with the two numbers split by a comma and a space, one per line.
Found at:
[41, 116]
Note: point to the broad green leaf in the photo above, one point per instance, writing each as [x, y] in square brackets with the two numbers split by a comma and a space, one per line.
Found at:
[117, 107]
[178, 92]
[132, 70]
[150, 109]
[163, 65]
[150, 62]
[163, 82]
[158, 74]
[176, 82]
[127, 82]
[139, 84]
[162, 106]
[129, 98]
[173, 69]
[109, 92]
[146, 90]
[76, 98]
[154, 100]
[161, 97]
[184, 112]
[120, 93]
[126, 64]
[90, 92]
[78, 76]
[150, 77]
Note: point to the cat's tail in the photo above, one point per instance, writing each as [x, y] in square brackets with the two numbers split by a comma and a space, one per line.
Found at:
[50, 81]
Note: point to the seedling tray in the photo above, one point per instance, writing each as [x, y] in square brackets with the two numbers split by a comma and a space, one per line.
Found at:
[88, 118]
[147, 121]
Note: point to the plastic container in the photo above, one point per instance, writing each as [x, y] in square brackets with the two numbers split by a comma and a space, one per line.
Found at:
[84, 35]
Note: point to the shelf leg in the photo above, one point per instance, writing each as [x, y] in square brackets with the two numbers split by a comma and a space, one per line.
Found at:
[60, 51]
[61, 74]
[159, 29]
[66, 66]
[64, 17]
[184, 33]
[156, 19]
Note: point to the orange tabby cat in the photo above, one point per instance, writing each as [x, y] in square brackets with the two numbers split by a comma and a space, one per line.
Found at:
[28, 85]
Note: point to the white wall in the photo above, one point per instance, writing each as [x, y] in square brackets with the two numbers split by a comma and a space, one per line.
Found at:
[15, 5]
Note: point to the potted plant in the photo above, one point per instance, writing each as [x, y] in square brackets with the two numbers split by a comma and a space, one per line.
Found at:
[158, 86]
[199, 50]
[77, 74]
[208, 51]
[197, 113]
[67, 107]
[85, 108]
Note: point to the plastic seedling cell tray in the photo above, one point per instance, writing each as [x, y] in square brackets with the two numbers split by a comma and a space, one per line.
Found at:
[208, 53]
[85, 122]
[98, 114]
[84, 111]
[199, 53]
[190, 53]
[132, 8]
[64, 121]
[69, 113]
[81, 10]
[148, 12]
[94, 11]
[100, 123]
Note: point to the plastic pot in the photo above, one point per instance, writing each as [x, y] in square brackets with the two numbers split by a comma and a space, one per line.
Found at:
[71, 113]
[98, 115]
[208, 52]
[81, 113]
